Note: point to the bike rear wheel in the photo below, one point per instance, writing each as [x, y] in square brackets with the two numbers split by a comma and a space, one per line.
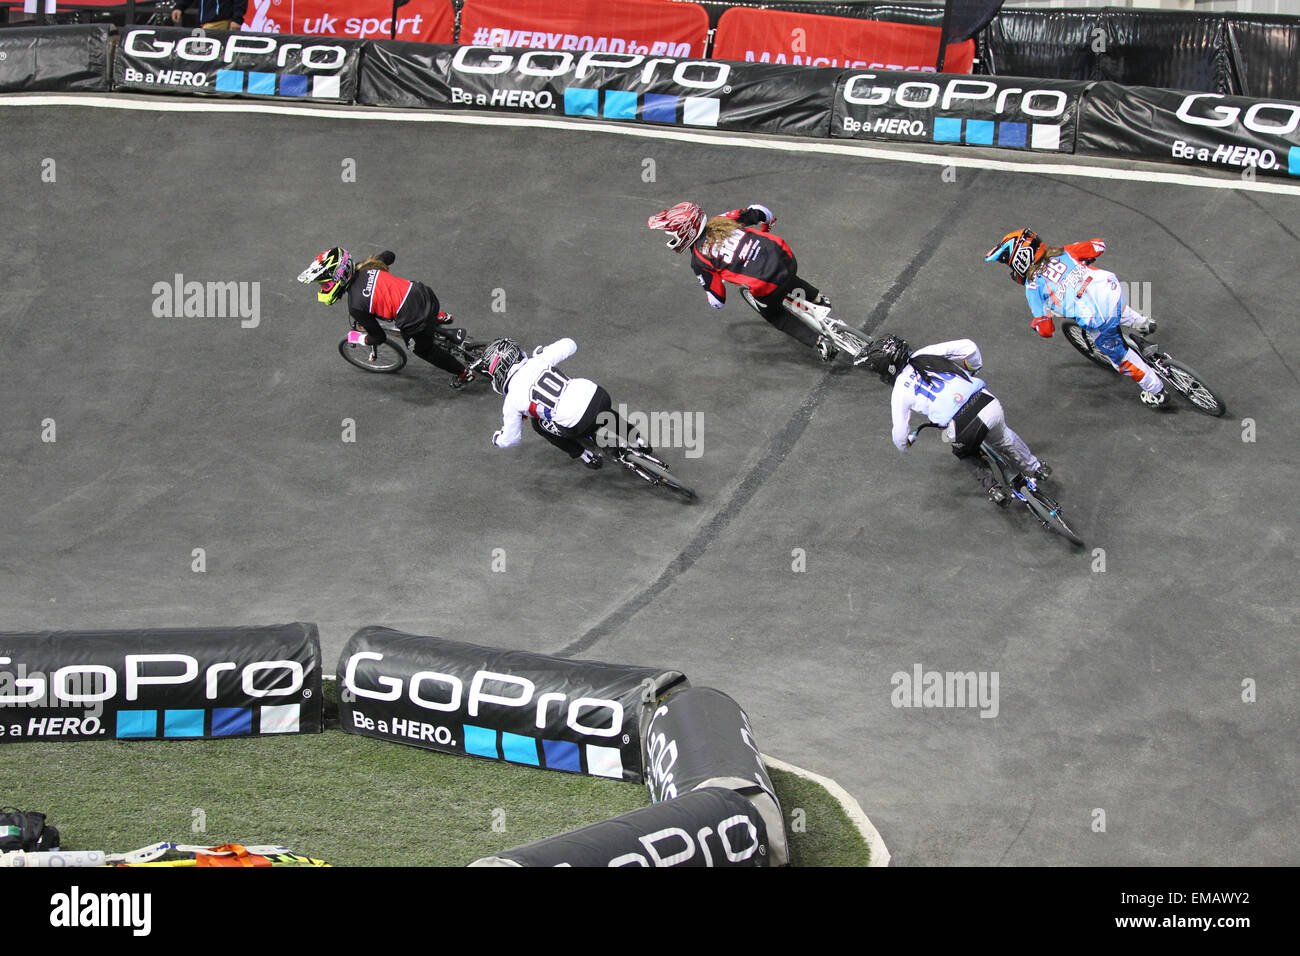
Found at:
[1048, 512]
[1185, 380]
[652, 471]
[389, 357]
[1078, 337]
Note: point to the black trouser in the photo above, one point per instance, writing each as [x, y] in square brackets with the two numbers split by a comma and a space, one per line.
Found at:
[772, 308]
[427, 344]
[600, 411]
[969, 431]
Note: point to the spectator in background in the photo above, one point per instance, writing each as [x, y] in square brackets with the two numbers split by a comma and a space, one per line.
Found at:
[214, 14]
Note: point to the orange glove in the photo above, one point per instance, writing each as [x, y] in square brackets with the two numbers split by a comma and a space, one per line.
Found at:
[1044, 326]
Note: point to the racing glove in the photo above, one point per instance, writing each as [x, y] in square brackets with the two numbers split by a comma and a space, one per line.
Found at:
[1044, 326]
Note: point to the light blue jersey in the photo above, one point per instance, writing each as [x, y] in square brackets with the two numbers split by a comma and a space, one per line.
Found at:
[1093, 298]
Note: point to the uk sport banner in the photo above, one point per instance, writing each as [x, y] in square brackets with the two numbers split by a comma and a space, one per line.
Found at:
[425, 21]
[805, 39]
[652, 27]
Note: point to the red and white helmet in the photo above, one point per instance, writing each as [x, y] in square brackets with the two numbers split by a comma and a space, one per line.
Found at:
[683, 223]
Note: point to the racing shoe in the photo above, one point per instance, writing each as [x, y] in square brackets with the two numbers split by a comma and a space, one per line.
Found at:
[997, 495]
[460, 381]
[822, 300]
[826, 349]
[591, 460]
[1155, 399]
[1042, 472]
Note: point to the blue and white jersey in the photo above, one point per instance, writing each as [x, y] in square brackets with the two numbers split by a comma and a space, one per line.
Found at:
[1091, 297]
[947, 392]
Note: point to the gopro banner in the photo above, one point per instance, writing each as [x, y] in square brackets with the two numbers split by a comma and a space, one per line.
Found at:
[576, 716]
[166, 60]
[40, 59]
[709, 827]
[1230, 133]
[651, 27]
[423, 21]
[977, 111]
[621, 87]
[807, 39]
[699, 737]
[160, 684]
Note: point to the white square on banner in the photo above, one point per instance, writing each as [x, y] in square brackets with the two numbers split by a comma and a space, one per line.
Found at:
[49, 6]
[29, 6]
[1045, 136]
[604, 762]
[280, 719]
[700, 111]
[326, 87]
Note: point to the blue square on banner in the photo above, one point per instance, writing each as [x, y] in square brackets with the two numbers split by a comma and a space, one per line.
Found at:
[1293, 161]
[562, 755]
[291, 84]
[230, 721]
[580, 102]
[659, 108]
[1012, 134]
[979, 132]
[481, 742]
[519, 749]
[263, 84]
[137, 723]
[230, 81]
[182, 723]
[947, 130]
[620, 104]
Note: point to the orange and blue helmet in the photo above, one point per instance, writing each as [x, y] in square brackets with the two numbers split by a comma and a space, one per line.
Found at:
[333, 269]
[1022, 250]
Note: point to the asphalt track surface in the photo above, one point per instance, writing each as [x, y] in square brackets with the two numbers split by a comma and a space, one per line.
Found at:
[1120, 690]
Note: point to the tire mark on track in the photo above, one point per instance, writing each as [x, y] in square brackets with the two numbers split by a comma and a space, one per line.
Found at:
[777, 450]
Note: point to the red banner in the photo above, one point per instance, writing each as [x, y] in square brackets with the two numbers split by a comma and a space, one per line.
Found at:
[653, 27]
[428, 21]
[770, 36]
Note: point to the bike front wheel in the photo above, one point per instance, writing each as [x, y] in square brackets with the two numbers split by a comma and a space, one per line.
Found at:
[389, 357]
[654, 472]
[1077, 336]
[1048, 512]
[1185, 380]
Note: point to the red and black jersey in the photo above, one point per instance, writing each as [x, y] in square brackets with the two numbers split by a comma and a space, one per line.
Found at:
[750, 256]
[378, 294]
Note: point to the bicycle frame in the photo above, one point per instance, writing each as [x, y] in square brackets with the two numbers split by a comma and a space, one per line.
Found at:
[818, 318]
